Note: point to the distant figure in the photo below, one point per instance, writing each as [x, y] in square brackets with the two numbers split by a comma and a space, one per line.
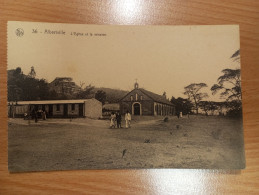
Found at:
[44, 115]
[178, 114]
[127, 119]
[118, 119]
[181, 114]
[35, 116]
[113, 119]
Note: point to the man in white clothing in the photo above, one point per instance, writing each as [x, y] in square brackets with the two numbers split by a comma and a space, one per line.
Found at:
[127, 119]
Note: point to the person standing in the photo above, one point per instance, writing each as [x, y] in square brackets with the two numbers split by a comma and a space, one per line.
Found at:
[44, 115]
[127, 119]
[118, 119]
[36, 116]
[178, 114]
[113, 119]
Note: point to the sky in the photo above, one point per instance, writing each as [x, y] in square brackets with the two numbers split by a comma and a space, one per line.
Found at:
[161, 58]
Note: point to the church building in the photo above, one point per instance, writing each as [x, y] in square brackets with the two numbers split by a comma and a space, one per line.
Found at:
[142, 102]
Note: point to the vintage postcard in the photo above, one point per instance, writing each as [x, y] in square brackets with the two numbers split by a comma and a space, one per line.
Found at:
[122, 97]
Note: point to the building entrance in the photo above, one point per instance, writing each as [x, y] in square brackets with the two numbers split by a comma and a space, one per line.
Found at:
[136, 109]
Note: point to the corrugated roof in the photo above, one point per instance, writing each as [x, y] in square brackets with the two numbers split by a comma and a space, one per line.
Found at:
[114, 106]
[156, 97]
[52, 102]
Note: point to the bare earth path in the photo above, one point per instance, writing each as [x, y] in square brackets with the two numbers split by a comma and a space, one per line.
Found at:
[62, 144]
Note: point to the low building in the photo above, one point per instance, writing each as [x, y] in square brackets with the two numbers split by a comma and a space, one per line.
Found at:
[109, 108]
[91, 108]
[142, 102]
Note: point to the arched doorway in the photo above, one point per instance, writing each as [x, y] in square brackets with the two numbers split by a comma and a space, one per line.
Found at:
[136, 109]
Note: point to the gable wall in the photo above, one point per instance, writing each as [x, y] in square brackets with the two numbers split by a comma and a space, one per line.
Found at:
[133, 94]
[146, 102]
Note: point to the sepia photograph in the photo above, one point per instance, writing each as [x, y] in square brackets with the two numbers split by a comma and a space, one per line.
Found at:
[123, 97]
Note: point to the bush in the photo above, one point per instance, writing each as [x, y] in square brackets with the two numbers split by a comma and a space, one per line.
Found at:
[237, 113]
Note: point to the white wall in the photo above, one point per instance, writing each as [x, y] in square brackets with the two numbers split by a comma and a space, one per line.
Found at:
[93, 108]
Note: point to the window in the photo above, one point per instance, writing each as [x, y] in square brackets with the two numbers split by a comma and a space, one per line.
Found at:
[73, 107]
[141, 97]
[136, 97]
[58, 107]
[131, 98]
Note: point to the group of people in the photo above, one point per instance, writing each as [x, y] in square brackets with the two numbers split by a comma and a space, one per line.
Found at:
[116, 120]
[36, 114]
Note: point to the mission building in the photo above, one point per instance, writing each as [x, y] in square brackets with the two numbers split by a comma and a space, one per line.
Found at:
[142, 102]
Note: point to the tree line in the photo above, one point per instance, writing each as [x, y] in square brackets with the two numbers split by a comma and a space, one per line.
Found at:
[228, 86]
[22, 87]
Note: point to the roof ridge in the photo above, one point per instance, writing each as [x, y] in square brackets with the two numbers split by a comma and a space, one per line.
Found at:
[163, 99]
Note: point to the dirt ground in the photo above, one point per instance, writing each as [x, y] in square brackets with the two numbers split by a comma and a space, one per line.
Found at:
[62, 144]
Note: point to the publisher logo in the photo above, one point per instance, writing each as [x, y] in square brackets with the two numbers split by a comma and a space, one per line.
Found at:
[19, 32]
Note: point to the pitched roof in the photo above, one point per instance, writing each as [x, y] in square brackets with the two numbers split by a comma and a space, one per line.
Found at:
[114, 106]
[156, 97]
[78, 101]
